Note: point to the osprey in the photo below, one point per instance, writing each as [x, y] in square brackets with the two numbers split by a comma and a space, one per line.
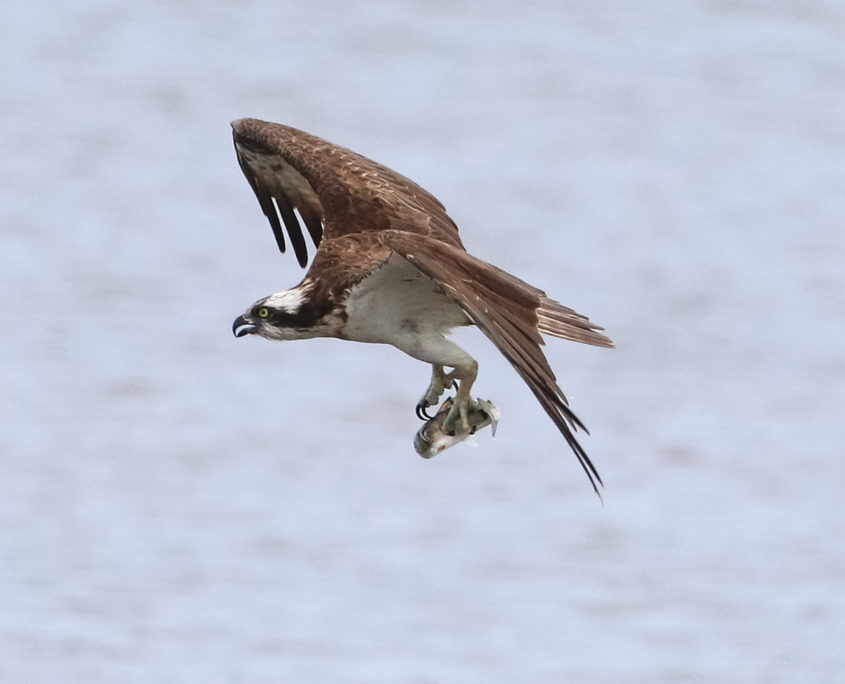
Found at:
[391, 268]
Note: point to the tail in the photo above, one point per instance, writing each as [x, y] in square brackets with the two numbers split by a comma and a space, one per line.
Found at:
[561, 321]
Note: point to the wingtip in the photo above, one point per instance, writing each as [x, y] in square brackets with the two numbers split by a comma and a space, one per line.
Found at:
[595, 479]
[239, 126]
[302, 258]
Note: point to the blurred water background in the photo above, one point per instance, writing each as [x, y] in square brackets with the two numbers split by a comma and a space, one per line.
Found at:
[180, 506]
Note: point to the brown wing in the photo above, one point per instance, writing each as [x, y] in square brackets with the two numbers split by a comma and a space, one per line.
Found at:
[510, 312]
[302, 180]
[344, 261]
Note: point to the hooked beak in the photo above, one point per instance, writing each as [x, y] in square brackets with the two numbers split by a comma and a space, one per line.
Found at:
[243, 326]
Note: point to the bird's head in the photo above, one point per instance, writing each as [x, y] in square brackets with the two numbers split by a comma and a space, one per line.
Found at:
[281, 316]
[289, 315]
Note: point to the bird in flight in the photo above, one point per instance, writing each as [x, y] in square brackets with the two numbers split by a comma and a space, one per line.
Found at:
[390, 268]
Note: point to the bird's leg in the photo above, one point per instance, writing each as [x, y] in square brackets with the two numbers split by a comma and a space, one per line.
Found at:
[440, 382]
[458, 416]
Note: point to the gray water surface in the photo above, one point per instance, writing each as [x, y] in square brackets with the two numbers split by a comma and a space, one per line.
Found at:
[180, 506]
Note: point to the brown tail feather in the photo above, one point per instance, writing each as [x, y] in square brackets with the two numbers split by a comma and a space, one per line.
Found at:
[561, 321]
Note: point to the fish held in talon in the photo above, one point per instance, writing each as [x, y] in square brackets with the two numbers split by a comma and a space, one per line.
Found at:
[433, 437]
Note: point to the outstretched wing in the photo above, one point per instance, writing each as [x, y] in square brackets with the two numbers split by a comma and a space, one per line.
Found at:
[512, 314]
[303, 182]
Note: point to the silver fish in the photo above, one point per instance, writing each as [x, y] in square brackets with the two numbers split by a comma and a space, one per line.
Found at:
[431, 438]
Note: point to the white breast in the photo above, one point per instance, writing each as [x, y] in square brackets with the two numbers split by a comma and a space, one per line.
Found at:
[398, 305]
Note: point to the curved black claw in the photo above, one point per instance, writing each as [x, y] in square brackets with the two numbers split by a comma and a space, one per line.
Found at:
[421, 411]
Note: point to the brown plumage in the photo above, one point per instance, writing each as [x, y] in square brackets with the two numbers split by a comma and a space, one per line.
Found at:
[359, 213]
[330, 185]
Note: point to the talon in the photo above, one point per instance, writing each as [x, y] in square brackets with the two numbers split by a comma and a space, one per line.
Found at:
[421, 411]
[457, 420]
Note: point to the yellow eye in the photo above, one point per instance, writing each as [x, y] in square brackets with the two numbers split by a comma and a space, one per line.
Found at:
[263, 312]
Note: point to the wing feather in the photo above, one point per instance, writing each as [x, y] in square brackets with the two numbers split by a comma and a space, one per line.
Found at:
[285, 209]
[333, 189]
[506, 309]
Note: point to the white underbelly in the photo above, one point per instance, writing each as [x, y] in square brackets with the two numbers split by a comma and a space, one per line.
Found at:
[399, 305]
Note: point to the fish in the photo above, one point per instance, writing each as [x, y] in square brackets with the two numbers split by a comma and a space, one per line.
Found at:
[431, 439]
